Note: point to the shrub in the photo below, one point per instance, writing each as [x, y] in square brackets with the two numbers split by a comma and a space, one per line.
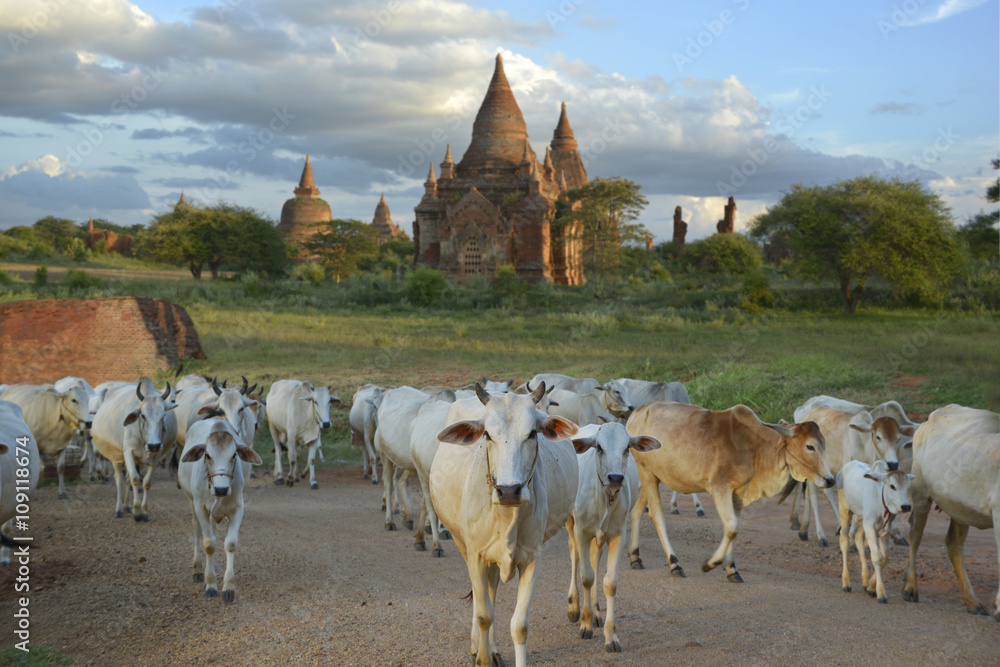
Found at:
[734, 254]
[756, 289]
[82, 280]
[4, 278]
[508, 287]
[310, 272]
[41, 276]
[425, 287]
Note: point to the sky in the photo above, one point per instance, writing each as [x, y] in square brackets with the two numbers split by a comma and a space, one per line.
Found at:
[110, 108]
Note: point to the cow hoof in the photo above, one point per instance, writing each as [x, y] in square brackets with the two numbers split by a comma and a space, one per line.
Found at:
[613, 646]
[700, 512]
[871, 594]
[705, 566]
[420, 546]
[980, 611]
[198, 577]
[145, 518]
[63, 496]
[846, 589]
[735, 578]
[366, 476]
[137, 517]
[901, 542]
[279, 482]
[911, 597]
[5, 562]
[675, 511]
[586, 633]
[228, 596]
[823, 542]
[637, 564]
[439, 553]
[374, 480]
[883, 600]
[127, 509]
[597, 621]
[211, 593]
[444, 535]
[408, 523]
[795, 525]
[314, 486]
[496, 660]
[573, 615]
[390, 526]
[677, 571]
[119, 515]
[804, 537]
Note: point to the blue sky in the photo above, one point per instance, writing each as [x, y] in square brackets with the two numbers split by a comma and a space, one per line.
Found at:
[110, 108]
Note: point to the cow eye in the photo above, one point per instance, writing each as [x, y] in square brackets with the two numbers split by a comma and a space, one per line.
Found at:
[533, 434]
[892, 486]
[879, 438]
[598, 448]
[486, 434]
[810, 448]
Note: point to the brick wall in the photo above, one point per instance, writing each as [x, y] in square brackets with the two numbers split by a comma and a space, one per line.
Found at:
[119, 338]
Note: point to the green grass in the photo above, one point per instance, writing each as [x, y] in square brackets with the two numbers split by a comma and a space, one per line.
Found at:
[38, 655]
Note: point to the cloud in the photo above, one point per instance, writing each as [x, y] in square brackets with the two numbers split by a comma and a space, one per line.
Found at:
[154, 133]
[906, 109]
[946, 9]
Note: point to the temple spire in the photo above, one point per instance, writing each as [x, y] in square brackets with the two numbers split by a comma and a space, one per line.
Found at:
[430, 185]
[448, 165]
[307, 186]
[563, 138]
[181, 200]
[499, 131]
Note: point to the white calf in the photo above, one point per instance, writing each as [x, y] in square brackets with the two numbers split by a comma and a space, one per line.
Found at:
[20, 466]
[608, 488]
[875, 494]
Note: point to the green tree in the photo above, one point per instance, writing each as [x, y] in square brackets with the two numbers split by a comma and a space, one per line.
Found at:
[56, 232]
[852, 230]
[170, 239]
[341, 244]
[252, 241]
[734, 254]
[980, 233]
[606, 210]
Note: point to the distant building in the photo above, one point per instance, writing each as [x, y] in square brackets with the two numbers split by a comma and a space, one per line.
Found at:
[383, 224]
[113, 242]
[302, 212]
[497, 205]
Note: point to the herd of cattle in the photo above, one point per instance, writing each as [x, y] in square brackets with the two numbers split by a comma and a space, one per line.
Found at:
[502, 469]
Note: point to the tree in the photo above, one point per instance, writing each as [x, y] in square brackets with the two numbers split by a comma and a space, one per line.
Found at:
[340, 245]
[56, 232]
[980, 233]
[606, 210]
[253, 242]
[852, 230]
[734, 254]
[169, 239]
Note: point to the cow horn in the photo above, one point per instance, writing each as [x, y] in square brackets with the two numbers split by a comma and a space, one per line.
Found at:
[166, 392]
[245, 383]
[138, 390]
[539, 391]
[180, 369]
[484, 397]
[527, 385]
[224, 383]
[216, 388]
[780, 428]
[208, 379]
[250, 390]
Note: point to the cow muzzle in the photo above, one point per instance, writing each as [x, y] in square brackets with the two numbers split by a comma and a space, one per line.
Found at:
[893, 465]
[326, 425]
[509, 494]
[830, 482]
[220, 490]
[615, 481]
[153, 446]
[88, 424]
[905, 508]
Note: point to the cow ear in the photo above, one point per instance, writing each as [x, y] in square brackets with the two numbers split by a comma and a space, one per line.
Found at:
[553, 404]
[644, 443]
[334, 400]
[877, 476]
[249, 403]
[909, 444]
[557, 428]
[599, 388]
[462, 433]
[130, 418]
[911, 477]
[248, 455]
[207, 410]
[193, 454]
[601, 419]
[168, 406]
[582, 444]
[908, 431]
[864, 428]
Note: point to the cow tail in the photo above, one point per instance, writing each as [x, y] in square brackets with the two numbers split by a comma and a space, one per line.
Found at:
[467, 598]
[787, 491]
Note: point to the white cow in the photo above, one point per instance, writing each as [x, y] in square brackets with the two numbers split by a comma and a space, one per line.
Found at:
[430, 419]
[296, 412]
[875, 495]
[53, 416]
[851, 437]
[364, 420]
[392, 440]
[608, 488]
[502, 498]
[189, 381]
[20, 466]
[214, 468]
[82, 438]
[578, 408]
[198, 403]
[612, 395]
[134, 424]
[956, 464]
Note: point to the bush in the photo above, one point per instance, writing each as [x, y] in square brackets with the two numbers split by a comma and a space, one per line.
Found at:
[82, 280]
[41, 276]
[78, 249]
[4, 278]
[734, 254]
[310, 272]
[508, 287]
[425, 287]
[756, 289]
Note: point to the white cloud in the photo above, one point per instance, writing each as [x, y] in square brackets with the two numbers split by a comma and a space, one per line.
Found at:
[946, 9]
[47, 164]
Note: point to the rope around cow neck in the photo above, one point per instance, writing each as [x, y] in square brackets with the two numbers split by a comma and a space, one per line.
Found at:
[491, 480]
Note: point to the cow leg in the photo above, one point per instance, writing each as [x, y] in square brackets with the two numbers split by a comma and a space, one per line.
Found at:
[368, 445]
[859, 543]
[897, 533]
[573, 596]
[656, 514]
[877, 546]
[814, 501]
[208, 544]
[673, 503]
[147, 481]
[279, 475]
[996, 534]
[808, 496]
[198, 574]
[482, 602]
[611, 643]
[793, 518]
[955, 541]
[520, 620]
[5, 551]
[427, 514]
[120, 484]
[388, 478]
[292, 447]
[591, 618]
[698, 509]
[232, 538]
[723, 497]
[314, 446]
[918, 519]
[60, 468]
[402, 491]
[845, 528]
[133, 478]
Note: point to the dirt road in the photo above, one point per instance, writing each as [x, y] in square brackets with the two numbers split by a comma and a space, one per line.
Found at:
[320, 582]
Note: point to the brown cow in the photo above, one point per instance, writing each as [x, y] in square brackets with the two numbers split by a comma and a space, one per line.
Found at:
[728, 453]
